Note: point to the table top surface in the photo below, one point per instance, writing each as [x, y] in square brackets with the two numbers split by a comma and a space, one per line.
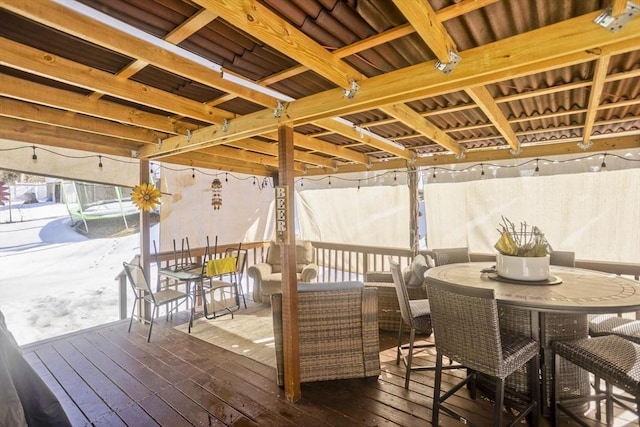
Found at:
[582, 291]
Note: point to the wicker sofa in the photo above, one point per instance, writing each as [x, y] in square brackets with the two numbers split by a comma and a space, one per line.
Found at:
[338, 331]
[267, 276]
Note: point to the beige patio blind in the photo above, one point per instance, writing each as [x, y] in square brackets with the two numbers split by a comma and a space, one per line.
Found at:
[596, 215]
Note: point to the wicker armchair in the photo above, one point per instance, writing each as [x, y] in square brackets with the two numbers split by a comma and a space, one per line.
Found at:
[466, 328]
[610, 358]
[338, 331]
[610, 324]
[267, 276]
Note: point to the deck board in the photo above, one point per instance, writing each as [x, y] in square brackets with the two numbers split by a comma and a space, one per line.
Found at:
[108, 377]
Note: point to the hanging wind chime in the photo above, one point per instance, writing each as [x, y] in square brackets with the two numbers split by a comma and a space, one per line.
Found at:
[216, 196]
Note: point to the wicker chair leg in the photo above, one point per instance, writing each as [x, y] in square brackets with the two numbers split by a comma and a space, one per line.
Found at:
[609, 403]
[596, 387]
[497, 418]
[436, 391]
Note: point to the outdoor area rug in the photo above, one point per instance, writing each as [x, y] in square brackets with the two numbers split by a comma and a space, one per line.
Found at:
[249, 333]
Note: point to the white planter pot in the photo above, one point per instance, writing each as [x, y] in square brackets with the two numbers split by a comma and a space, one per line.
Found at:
[523, 268]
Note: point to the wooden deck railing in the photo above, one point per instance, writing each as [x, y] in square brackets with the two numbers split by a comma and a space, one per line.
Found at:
[341, 262]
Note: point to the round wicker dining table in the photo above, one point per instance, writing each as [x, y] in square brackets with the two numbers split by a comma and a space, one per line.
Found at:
[555, 309]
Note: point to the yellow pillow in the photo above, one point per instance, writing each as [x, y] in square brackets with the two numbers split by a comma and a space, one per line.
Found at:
[216, 267]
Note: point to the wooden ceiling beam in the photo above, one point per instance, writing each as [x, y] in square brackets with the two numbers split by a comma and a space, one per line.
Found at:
[268, 27]
[352, 133]
[25, 58]
[200, 160]
[601, 67]
[67, 20]
[272, 150]
[260, 22]
[524, 54]
[36, 93]
[601, 144]
[47, 115]
[53, 136]
[315, 144]
[487, 104]
[423, 18]
[245, 156]
[406, 115]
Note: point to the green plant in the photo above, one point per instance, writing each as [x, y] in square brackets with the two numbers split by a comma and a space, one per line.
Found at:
[524, 242]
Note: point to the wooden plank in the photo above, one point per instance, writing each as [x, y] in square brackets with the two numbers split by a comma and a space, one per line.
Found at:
[75, 415]
[73, 384]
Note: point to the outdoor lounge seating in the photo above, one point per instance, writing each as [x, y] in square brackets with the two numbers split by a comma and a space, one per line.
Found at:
[267, 276]
[338, 331]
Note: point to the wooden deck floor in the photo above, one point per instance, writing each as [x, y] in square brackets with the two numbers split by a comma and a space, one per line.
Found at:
[107, 377]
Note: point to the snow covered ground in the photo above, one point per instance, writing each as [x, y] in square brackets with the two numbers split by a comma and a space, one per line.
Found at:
[54, 280]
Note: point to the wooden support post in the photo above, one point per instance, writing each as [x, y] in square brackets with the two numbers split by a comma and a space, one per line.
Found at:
[289, 281]
[145, 232]
[414, 210]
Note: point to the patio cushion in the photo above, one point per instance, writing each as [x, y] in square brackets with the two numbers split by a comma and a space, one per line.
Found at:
[416, 271]
[304, 256]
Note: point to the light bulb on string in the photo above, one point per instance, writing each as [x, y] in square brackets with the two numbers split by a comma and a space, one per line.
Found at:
[329, 179]
[34, 157]
[193, 173]
[358, 184]
[536, 172]
[100, 162]
[301, 182]
[434, 174]
[482, 175]
[603, 166]
[226, 177]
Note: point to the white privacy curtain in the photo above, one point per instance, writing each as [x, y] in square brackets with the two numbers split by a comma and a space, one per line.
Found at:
[596, 215]
[246, 214]
[372, 216]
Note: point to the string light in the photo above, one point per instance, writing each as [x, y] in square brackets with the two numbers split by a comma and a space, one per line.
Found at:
[358, 184]
[536, 172]
[603, 166]
[482, 171]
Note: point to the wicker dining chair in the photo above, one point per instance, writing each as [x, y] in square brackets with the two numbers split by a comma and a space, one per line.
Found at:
[445, 256]
[143, 292]
[416, 314]
[563, 258]
[466, 329]
[610, 324]
[610, 358]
